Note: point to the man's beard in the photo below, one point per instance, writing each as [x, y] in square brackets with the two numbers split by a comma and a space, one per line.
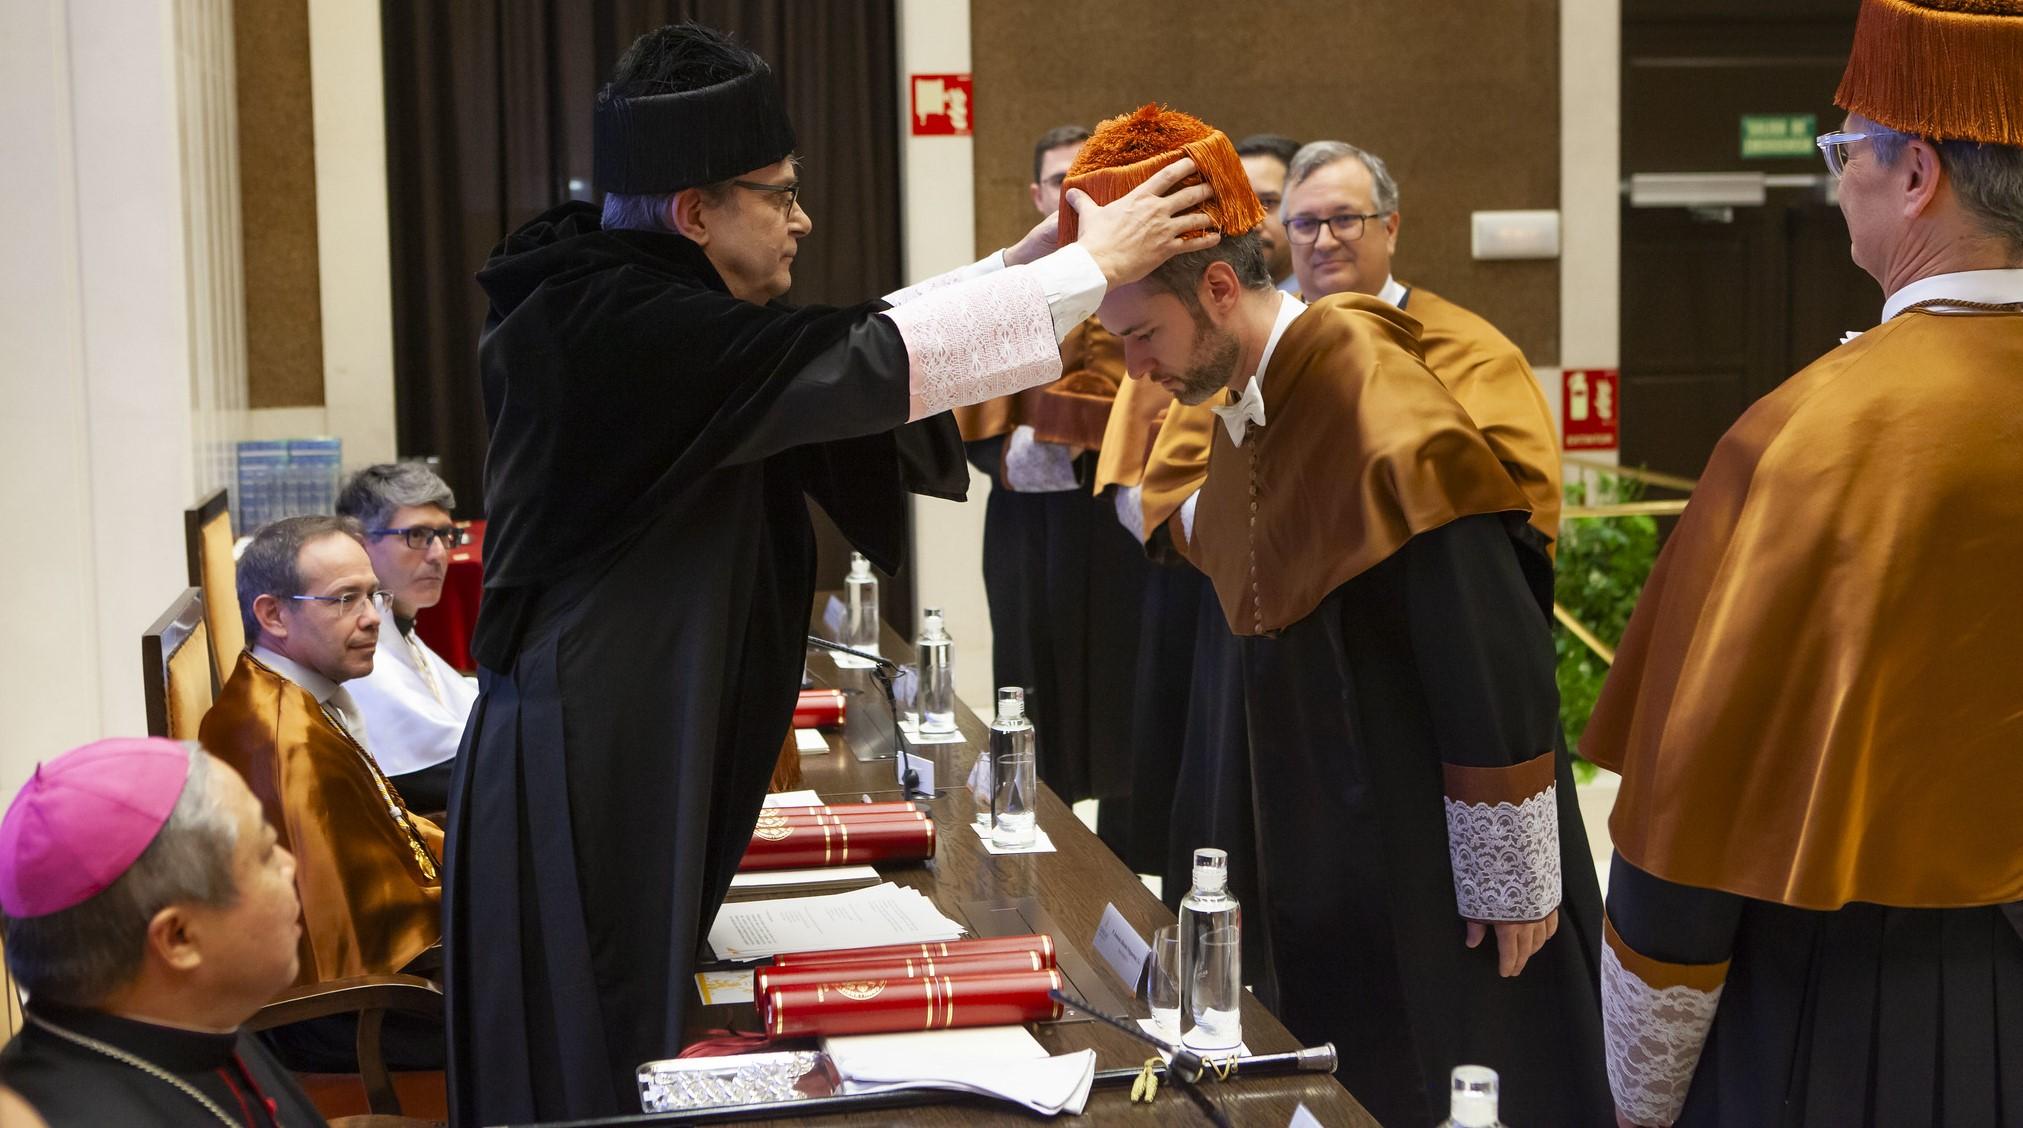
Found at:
[1211, 365]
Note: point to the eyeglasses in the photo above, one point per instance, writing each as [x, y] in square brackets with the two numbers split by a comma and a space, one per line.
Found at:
[418, 536]
[1835, 148]
[792, 192]
[351, 602]
[1347, 227]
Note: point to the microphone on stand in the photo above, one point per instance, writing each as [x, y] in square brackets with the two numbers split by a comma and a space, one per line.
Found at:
[886, 671]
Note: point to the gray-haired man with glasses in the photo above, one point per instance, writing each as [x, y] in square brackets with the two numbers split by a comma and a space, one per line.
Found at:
[415, 702]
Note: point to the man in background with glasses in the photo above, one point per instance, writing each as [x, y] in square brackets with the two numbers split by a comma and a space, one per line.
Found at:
[414, 702]
[1816, 901]
[366, 866]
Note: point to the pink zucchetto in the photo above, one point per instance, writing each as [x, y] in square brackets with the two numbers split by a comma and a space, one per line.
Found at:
[83, 818]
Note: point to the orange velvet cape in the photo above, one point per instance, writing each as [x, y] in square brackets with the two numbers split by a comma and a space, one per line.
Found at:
[1363, 449]
[371, 898]
[1478, 365]
[1819, 698]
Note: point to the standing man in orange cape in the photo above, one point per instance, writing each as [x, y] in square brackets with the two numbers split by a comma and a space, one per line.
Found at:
[1425, 887]
[1817, 710]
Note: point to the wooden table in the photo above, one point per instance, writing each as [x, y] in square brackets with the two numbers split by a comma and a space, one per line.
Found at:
[1071, 887]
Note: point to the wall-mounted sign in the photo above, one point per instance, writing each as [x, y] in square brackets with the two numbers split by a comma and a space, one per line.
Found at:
[944, 105]
[1590, 408]
[1778, 136]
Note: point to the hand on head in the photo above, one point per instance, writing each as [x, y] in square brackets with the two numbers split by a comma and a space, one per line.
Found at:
[1130, 236]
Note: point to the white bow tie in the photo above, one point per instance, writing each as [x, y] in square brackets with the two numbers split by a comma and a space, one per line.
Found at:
[1248, 408]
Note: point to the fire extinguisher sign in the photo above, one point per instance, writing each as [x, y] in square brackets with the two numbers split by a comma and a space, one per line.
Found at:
[1590, 408]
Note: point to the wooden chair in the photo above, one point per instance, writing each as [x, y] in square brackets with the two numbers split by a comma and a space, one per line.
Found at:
[371, 997]
[176, 674]
[207, 535]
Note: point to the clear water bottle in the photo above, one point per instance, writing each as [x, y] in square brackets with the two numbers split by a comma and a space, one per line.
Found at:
[936, 698]
[860, 605]
[1471, 1100]
[1014, 772]
[1211, 955]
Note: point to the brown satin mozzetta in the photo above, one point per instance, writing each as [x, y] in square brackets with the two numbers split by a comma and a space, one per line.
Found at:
[1073, 409]
[367, 905]
[1490, 378]
[1134, 423]
[1363, 450]
[1819, 698]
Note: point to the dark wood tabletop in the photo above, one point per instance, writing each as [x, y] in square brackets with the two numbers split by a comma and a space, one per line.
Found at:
[1068, 890]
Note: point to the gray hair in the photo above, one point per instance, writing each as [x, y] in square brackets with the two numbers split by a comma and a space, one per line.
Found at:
[373, 495]
[79, 955]
[1987, 177]
[271, 564]
[649, 211]
[1317, 155]
[1181, 274]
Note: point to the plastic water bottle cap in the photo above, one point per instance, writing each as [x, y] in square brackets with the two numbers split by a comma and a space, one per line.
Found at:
[1011, 702]
[1211, 869]
[1472, 1100]
[858, 565]
[933, 628]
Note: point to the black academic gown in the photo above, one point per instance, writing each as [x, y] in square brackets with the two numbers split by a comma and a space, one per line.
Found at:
[1161, 702]
[1064, 582]
[1439, 653]
[71, 1085]
[649, 569]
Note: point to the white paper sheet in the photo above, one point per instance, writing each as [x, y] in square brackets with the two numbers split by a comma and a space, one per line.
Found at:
[1004, 1062]
[1041, 843]
[882, 914]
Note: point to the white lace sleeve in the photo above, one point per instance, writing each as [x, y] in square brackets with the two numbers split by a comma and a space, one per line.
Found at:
[986, 337]
[1505, 857]
[1032, 466]
[1652, 1038]
[987, 265]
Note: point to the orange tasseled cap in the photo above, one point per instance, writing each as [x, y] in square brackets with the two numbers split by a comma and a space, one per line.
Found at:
[1946, 69]
[1126, 150]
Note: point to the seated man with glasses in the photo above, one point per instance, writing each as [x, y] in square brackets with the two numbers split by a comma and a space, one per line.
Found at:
[414, 702]
[366, 868]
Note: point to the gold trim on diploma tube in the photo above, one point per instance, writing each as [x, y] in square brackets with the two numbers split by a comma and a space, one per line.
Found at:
[948, 1004]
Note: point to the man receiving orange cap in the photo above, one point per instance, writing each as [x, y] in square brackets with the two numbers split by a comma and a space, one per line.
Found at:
[1363, 541]
[1817, 710]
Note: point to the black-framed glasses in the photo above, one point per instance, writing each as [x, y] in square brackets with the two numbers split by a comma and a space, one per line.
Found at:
[792, 191]
[1837, 147]
[418, 536]
[1347, 227]
[351, 602]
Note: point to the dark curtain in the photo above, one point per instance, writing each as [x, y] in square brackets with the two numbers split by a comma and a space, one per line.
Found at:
[488, 125]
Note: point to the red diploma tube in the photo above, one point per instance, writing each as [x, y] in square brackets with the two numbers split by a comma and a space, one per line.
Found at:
[784, 846]
[773, 818]
[917, 967]
[1038, 942]
[845, 810]
[819, 708]
[882, 1006]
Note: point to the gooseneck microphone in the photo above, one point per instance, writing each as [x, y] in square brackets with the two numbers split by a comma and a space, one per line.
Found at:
[886, 671]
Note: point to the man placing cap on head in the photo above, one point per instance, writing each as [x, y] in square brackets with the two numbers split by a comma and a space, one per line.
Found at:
[149, 912]
[659, 421]
[1816, 906]
[1413, 808]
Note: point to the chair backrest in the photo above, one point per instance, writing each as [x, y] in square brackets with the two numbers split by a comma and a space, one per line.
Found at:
[176, 668]
[207, 532]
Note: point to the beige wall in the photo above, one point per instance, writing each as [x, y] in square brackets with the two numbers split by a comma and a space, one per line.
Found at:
[1462, 101]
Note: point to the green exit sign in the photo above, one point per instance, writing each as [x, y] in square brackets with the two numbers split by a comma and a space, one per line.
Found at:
[1778, 135]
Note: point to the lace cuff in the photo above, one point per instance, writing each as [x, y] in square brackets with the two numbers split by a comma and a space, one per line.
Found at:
[987, 337]
[1130, 503]
[1655, 1018]
[1503, 839]
[989, 264]
[1032, 466]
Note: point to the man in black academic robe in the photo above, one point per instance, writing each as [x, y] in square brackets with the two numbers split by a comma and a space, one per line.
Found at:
[657, 424]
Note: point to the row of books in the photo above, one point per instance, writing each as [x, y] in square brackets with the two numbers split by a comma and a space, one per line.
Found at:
[285, 478]
[987, 981]
[847, 834]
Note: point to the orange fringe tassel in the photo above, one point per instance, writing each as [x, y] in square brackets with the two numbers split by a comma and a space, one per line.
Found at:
[1946, 69]
[1126, 150]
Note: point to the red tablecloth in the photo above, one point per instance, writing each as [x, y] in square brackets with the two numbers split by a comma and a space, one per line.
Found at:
[447, 626]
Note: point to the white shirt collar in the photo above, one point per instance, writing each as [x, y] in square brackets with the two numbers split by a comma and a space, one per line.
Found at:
[1998, 287]
[1249, 407]
[1392, 292]
[319, 687]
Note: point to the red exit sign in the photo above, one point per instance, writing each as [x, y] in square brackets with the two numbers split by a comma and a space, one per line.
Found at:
[1591, 408]
[944, 105]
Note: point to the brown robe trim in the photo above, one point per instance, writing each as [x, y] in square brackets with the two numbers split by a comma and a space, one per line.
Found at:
[1657, 974]
[1512, 784]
